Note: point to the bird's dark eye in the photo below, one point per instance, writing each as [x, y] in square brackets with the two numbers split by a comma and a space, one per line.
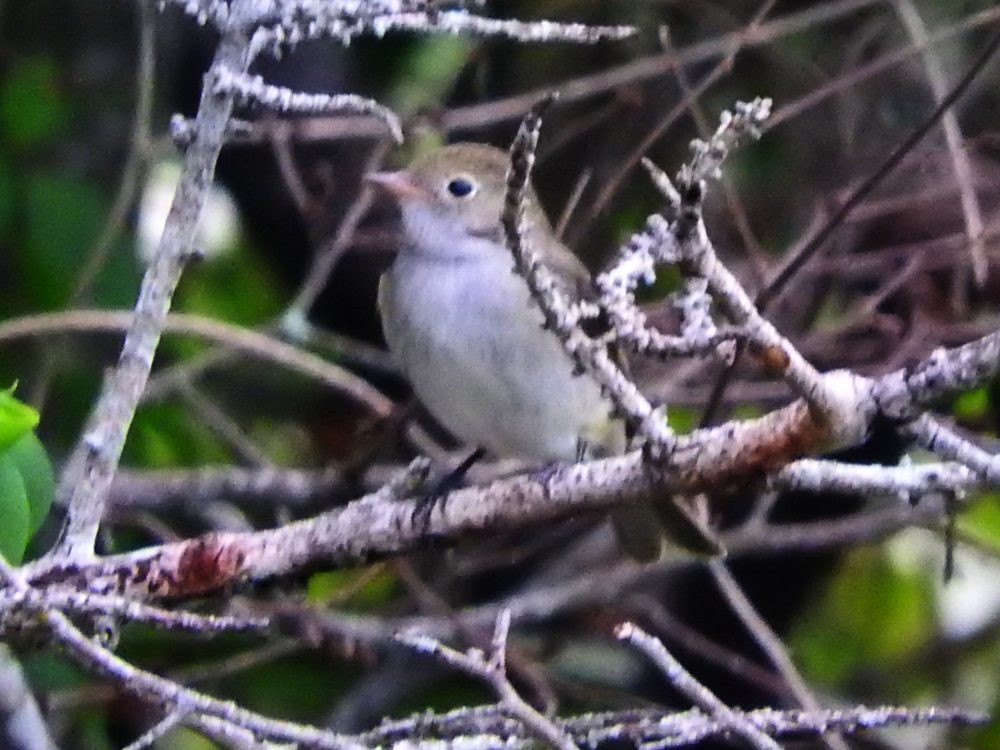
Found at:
[461, 187]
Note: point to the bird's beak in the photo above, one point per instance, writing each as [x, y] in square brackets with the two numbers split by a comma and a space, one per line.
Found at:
[398, 184]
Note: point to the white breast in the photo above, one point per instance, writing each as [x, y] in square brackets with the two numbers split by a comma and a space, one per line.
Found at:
[470, 340]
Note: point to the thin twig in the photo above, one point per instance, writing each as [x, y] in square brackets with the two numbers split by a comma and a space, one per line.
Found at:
[953, 138]
[700, 695]
[84, 486]
[226, 334]
[492, 668]
[769, 643]
[157, 731]
[693, 93]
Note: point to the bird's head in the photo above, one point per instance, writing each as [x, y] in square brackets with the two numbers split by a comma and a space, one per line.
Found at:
[452, 194]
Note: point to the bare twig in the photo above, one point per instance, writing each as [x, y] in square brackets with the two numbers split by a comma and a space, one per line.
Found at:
[22, 726]
[700, 695]
[84, 603]
[579, 88]
[953, 138]
[72, 585]
[331, 253]
[138, 154]
[248, 88]
[653, 728]
[157, 731]
[723, 67]
[562, 315]
[159, 690]
[373, 525]
[492, 668]
[769, 643]
[795, 263]
[939, 439]
[86, 484]
[228, 335]
[171, 490]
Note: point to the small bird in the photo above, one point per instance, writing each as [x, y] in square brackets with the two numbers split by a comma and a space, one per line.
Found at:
[467, 334]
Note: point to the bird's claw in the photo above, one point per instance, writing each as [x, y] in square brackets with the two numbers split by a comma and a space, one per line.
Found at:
[438, 497]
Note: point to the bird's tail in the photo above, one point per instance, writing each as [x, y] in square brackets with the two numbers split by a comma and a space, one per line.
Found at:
[646, 529]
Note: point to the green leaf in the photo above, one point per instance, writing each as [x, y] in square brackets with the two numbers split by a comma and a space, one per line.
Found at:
[682, 419]
[8, 197]
[63, 214]
[33, 463]
[431, 69]
[987, 737]
[329, 585]
[237, 288]
[168, 435]
[982, 519]
[973, 404]
[182, 738]
[32, 105]
[747, 411]
[873, 613]
[15, 517]
[16, 419]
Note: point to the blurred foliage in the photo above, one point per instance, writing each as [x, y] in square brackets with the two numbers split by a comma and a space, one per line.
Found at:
[431, 66]
[15, 518]
[16, 418]
[27, 484]
[164, 435]
[982, 519]
[874, 612]
[33, 105]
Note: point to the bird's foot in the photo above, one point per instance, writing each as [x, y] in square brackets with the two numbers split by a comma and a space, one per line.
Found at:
[550, 471]
[438, 496]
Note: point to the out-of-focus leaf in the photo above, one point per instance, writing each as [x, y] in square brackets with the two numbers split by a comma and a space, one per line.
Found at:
[63, 215]
[282, 441]
[50, 672]
[238, 288]
[182, 738]
[747, 411]
[972, 404]
[830, 314]
[324, 586]
[431, 67]
[118, 281]
[987, 737]
[33, 463]
[668, 280]
[15, 518]
[982, 519]
[873, 613]
[754, 169]
[218, 231]
[682, 419]
[92, 732]
[331, 584]
[16, 419]
[8, 197]
[169, 435]
[32, 106]
[592, 661]
[299, 687]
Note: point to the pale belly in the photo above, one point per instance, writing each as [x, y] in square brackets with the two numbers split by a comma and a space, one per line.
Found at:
[479, 360]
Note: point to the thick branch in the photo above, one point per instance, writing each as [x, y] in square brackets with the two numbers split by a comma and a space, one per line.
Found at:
[378, 525]
[945, 372]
